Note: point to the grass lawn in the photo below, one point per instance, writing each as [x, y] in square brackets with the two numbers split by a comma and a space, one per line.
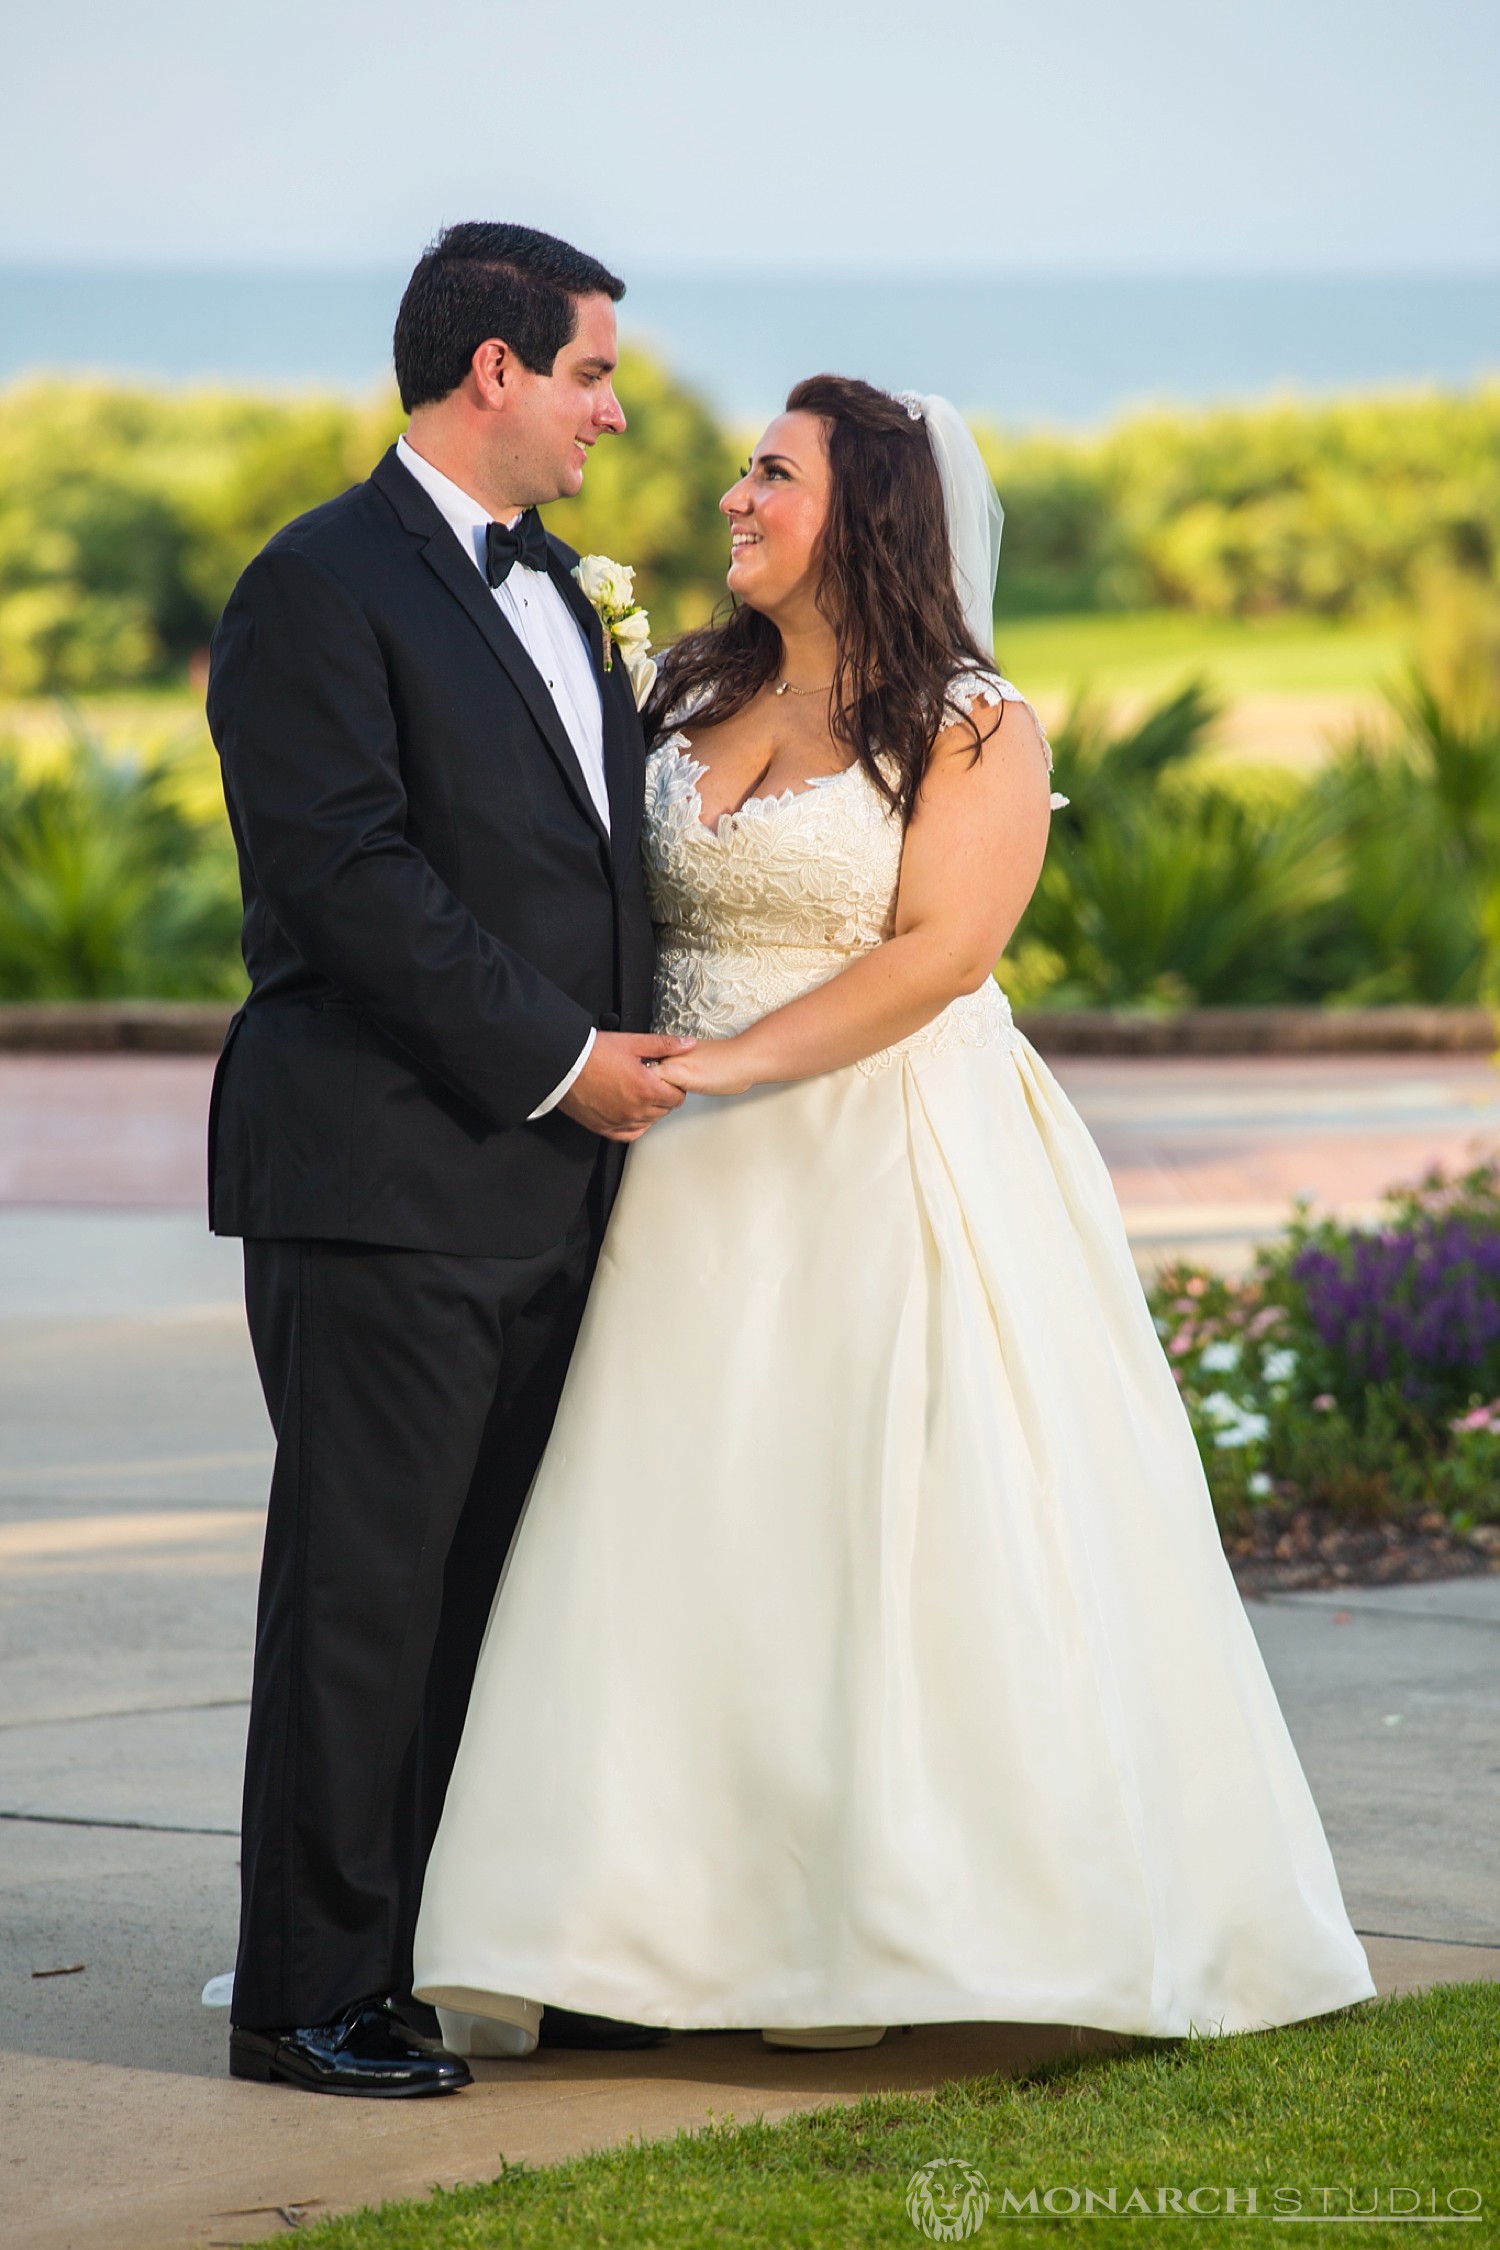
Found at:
[1143, 653]
[143, 717]
[1119, 652]
[1290, 684]
[1400, 2095]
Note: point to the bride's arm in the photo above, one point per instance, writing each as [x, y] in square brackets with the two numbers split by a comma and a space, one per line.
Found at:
[971, 859]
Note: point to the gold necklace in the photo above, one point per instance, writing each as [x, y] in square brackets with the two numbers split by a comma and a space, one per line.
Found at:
[785, 687]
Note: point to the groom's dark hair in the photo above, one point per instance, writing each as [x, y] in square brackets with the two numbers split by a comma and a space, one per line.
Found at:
[480, 280]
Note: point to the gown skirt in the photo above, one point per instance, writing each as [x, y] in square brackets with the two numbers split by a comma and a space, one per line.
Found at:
[867, 1653]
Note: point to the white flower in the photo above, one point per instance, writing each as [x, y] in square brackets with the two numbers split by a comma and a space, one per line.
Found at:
[1234, 1424]
[1279, 1367]
[1219, 1359]
[607, 584]
[640, 670]
[609, 587]
[1258, 1485]
[631, 631]
[1249, 1429]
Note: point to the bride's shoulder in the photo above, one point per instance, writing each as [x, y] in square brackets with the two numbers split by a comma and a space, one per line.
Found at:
[973, 686]
[976, 683]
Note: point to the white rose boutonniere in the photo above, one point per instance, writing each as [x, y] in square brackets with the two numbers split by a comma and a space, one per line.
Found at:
[609, 588]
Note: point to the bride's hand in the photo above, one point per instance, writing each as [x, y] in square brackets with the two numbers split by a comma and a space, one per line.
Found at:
[714, 1066]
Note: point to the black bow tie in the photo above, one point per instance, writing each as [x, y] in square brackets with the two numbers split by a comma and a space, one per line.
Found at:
[523, 541]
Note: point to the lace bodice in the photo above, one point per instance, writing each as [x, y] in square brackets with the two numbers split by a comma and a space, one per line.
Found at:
[783, 893]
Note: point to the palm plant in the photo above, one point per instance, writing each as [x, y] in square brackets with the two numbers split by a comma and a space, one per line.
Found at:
[1164, 887]
[107, 887]
[1418, 912]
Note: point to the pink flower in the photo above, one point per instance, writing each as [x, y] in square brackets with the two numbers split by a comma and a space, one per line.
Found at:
[1324, 1403]
[1196, 1286]
[1267, 1318]
[1181, 1343]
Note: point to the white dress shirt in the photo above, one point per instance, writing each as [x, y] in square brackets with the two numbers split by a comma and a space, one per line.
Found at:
[551, 636]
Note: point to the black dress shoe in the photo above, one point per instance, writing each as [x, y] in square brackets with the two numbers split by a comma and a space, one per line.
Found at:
[419, 2017]
[564, 2027]
[367, 2051]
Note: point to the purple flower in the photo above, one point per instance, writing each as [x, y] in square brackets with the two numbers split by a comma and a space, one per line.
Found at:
[1417, 1305]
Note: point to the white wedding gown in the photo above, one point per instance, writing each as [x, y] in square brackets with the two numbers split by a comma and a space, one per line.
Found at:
[867, 1653]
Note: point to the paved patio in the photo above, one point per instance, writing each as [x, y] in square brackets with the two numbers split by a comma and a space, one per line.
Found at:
[1204, 1152]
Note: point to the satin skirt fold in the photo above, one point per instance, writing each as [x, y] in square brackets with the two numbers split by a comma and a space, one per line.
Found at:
[867, 1653]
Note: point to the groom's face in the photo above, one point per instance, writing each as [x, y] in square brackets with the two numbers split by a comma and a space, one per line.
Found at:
[555, 420]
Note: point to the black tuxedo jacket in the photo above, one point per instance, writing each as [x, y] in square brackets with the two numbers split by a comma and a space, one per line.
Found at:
[435, 916]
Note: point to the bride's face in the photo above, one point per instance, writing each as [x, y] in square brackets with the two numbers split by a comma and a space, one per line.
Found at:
[776, 515]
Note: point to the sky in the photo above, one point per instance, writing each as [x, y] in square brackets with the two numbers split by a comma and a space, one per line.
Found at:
[682, 136]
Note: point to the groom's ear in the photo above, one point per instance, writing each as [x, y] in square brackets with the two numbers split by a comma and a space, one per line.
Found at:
[492, 368]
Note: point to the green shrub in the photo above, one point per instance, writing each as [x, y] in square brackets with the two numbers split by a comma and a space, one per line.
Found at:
[1162, 886]
[107, 887]
[1417, 816]
[126, 515]
[1353, 1368]
[1335, 508]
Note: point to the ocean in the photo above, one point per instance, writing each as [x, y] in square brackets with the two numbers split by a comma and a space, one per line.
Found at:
[1022, 351]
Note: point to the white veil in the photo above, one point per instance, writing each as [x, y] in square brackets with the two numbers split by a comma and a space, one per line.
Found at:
[975, 516]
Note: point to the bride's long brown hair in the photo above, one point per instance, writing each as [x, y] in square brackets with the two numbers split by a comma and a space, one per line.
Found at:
[886, 589]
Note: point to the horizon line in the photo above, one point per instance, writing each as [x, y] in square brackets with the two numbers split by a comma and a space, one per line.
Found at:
[23, 263]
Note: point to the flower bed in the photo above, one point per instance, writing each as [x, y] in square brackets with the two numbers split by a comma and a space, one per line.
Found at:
[1345, 1394]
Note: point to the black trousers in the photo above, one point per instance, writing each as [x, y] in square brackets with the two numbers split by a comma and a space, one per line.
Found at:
[412, 1394]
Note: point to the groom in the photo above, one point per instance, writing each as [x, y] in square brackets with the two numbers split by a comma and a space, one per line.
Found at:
[435, 788]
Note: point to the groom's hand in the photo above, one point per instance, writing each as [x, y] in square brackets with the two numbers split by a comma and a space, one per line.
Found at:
[617, 1094]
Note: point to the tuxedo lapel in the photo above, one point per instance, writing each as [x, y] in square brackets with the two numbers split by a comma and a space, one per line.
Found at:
[623, 775]
[443, 555]
[579, 603]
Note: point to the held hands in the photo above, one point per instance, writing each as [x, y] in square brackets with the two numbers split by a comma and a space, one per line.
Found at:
[618, 1094]
[715, 1066]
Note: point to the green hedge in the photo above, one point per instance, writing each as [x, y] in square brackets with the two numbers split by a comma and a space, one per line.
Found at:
[1334, 509]
[126, 514]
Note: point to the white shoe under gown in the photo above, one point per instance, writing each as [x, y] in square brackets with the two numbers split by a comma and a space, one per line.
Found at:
[867, 1653]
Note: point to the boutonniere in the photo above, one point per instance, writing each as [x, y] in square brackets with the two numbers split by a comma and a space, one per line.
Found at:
[609, 588]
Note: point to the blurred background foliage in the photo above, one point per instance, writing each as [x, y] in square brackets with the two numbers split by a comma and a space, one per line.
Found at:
[1195, 558]
[126, 514]
[110, 884]
[1174, 880]
[1334, 510]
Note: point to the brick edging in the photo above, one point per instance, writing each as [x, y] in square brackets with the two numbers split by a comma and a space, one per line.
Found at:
[112, 1027]
[194, 1027]
[1261, 1031]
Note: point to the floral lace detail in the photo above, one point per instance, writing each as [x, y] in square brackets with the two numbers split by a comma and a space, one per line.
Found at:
[783, 893]
[966, 689]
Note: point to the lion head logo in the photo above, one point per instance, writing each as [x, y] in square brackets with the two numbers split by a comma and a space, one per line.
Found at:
[947, 2199]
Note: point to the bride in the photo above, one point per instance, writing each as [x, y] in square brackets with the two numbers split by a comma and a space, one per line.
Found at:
[867, 1653]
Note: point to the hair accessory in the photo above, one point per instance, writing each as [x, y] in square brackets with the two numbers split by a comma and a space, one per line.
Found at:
[912, 401]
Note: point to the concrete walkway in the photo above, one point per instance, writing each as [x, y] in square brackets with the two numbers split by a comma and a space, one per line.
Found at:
[133, 1461]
